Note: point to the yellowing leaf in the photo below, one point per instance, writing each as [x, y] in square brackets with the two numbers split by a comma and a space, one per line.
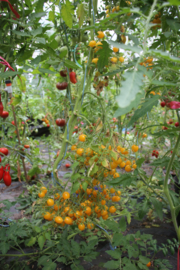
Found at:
[67, 12]
[105, 163]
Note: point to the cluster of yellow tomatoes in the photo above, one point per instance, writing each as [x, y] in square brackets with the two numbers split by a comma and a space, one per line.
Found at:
[148, 63]
[80, 208]
[98, 45]
[157, 21]
[107, 158]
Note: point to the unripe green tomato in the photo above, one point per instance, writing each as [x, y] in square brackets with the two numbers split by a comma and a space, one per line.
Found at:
[139, 184]
[63, 49]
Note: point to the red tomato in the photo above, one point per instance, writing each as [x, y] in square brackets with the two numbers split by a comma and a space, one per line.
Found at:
[67, 165]
[176, 124]
[26, 146]
[4, 114]
[163, 104]
[1, 172]
[13, 123]
[4, 151]
[63, 73]
[61, 86]
[7, 178]
[72, 76]
[1, 108]
[48, 125]
[60, 122]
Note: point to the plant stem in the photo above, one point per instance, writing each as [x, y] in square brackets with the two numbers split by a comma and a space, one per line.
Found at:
[166, 189]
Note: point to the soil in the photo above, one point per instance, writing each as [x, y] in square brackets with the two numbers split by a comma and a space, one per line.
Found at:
[161, 234]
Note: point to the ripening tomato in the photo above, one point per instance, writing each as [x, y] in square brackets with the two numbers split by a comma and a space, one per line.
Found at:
[60, 122]
[7, 178]
[26, 146]
[72, 76]
[4, 151]
[58, 220]
[1, 172]
[13, 123]
[4, 114]
[82, 138]
[81, 227]
[61, 86]
[66, 195]
[67, 165]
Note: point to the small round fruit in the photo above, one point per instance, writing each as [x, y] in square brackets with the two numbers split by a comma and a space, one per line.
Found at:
[81, 227]
[114, 60]
[176, 124]
[41, 194]
[112, 209]
[121, 59]
[134, 166]
[128, 168]
[26, 146]
[4, 114]
[116, 175]
[92, 43]
[68, 220]
[66, 195]
[43, 189]
[90, 226]
[148, 264]
[82, 138]
[123, 164]
[60, 122]
[50, 202]
[134, 148]
[95, 60]
[56, 196]
[100, 34]
[58, 220]
[80, 151]
[61, 86]
[73, 147]
[115, 49]
[163, 104]
[47, 216]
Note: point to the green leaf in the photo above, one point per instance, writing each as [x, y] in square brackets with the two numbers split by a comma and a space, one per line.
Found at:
[140, 161]
[44, 70]
[22, 34]
[131, 91]
[37, 229]
[81, 12]
[112, 265]
[146, 106]
[122, 224]
[135, 49]
[4, 247]
[67, 12]
[75, 187]
[115, 254]
[34, 170]
[125, 180]
[52, 16]
[174, 25]
[48, 236]
[165, 55]
[31, 241]
[162, 162]
[49, 266]
[162, 83]
[43, 260]
[158, 207]
[70, 64]
[9, 74]
[41, 241]
[36, 32]
[112, 225]
[143, 259]
[84, 185]
[75, 248]
[129, 266]
[39, 40]
[21, 83]
[37, 15]
[174, 2]
[103, 55]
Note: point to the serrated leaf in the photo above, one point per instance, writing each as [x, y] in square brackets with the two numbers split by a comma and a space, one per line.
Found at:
[4, 247]
[31, 241]
[70, 64]
[146, 106]
[67, 12]
[48, 236]
[115, 254]
[51, 16]
[37, 229]
[36, 32]
[43, 260]
[174, 25]
[158, 207]
[34, 170]
[112, 265]
[124, 180]
[81, 12]
[20, 33]
[84, 185]
[135, 49]
[143, 259]
[122, 224]
[162, 83]
[44, 70]
[105, 163]
[41, 241]
[75, 248]
[103, 55]
[75, 187]
[9, 74]
[49, 266]
[174, 2]
[112, 225]
[165, 55]
[131, 90]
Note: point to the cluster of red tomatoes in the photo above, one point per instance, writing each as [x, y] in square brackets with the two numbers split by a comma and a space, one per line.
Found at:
[81, 208]
[64, 85]
[5, 171]
[155, 153]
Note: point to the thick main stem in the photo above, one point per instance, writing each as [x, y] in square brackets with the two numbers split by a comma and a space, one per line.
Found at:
[166, 189]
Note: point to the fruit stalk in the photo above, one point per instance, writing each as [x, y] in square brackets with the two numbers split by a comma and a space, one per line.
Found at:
[17, 130]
